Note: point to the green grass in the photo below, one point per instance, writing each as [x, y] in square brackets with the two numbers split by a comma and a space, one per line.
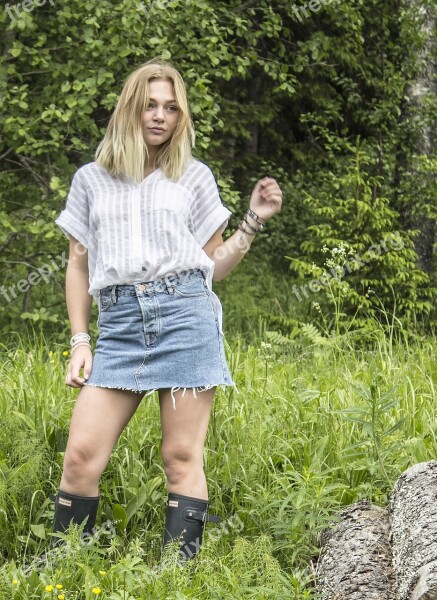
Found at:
[314, 427]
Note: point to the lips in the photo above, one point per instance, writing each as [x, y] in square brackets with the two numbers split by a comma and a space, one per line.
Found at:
[157, 129]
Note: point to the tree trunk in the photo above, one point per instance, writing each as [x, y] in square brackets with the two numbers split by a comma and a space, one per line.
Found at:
[355, 563]
[413, 517]
[422, 88]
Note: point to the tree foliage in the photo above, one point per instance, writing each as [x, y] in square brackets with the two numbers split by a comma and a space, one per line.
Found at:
[270, 94]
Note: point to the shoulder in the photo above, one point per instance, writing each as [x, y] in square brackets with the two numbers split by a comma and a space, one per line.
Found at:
[197, 174]
[91, 169]
[91, 176]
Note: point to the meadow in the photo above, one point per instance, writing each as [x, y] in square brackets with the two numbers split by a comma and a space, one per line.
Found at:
[317, 424]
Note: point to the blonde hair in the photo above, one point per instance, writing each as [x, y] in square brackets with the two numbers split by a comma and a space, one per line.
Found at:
[123, 151]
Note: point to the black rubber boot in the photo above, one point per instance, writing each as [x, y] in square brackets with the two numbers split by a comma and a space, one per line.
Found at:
[70, 508]
[187, 516]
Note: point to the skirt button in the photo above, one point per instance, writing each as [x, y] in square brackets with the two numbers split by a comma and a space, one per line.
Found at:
[141, 288]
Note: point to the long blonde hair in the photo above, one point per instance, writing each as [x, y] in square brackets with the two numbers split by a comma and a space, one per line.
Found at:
[123, 151]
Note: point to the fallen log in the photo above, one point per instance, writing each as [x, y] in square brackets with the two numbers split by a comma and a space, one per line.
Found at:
[413, 519]
[355, 562]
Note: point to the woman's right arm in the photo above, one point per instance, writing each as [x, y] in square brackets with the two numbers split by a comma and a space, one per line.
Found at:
[79, 304]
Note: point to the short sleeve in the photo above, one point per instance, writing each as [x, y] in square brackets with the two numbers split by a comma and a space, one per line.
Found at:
[74, 219]
[207, 213]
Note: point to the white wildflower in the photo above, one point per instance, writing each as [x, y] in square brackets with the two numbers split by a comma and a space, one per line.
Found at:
[316, 306]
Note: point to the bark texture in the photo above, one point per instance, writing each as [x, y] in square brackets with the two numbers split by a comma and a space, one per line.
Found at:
[423, 87]
[413, 518]
[355, 563]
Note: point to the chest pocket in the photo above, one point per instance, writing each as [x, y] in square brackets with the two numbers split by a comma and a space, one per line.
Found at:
[172, 197]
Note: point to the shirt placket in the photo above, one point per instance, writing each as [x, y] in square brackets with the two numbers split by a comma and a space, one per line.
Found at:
[136, 241]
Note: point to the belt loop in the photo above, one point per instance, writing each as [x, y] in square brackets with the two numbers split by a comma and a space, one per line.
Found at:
[113, 294]
[205, 283]
[170, 287]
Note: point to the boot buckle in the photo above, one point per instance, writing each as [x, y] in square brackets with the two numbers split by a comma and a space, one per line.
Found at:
[191, 514]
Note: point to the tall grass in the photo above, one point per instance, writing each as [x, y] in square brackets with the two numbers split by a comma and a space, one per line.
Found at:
[314, 427]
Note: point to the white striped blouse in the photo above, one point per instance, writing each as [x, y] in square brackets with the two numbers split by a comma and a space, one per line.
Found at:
[140, 232]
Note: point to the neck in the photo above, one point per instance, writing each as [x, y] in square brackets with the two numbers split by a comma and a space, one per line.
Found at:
[149, 164]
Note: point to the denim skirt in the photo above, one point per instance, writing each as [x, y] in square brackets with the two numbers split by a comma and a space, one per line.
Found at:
[158, 334]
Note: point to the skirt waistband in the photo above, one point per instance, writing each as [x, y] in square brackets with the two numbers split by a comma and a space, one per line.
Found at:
[157, 285]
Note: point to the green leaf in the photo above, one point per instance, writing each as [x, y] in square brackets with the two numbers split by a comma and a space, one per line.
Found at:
[120, 518]
[38, 531]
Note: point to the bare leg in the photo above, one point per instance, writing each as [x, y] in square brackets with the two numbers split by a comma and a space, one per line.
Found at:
[183, 438]
[99, 417]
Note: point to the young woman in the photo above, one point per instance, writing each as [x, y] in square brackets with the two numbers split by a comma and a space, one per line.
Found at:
[145, 224]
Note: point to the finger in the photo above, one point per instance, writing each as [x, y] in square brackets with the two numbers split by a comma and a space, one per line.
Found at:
[271, 190]
[259, 186]
[87, 368]
[272, 186]
[75, 373]
[69, 380]
[272, 197]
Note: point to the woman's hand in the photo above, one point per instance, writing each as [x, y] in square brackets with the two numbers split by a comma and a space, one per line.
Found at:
[82, 358]
[266, 198]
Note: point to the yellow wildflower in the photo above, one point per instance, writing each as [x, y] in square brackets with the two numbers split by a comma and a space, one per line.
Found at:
[61, 597]
[49, 588]
[102, 573]
[59, 586]
[65, 353]
[15, 581]
[97, 591]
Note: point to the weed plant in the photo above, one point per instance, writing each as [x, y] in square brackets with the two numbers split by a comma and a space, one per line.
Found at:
[320, 422]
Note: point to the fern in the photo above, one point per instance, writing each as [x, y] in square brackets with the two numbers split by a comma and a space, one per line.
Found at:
[311, 332]
[276, 338]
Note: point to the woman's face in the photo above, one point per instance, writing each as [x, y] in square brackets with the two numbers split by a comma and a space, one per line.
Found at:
[161, 116]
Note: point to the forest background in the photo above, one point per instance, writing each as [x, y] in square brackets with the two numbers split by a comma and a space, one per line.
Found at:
[336, 100]
[337, 103]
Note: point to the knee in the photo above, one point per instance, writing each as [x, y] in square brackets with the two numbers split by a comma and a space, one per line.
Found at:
[179, 461]
[79, 462]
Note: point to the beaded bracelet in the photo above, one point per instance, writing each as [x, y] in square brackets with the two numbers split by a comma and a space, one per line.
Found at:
[260, 228]
[80, 337]
[241, 228]
[254, 216]
[80, 344]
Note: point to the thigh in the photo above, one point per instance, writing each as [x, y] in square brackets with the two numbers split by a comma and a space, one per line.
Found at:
[99, 417]
[185, 427]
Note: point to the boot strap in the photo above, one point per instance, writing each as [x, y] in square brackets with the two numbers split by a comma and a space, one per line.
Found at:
[199, 515]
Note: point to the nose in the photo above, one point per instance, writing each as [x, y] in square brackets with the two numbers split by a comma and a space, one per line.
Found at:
[159, 113]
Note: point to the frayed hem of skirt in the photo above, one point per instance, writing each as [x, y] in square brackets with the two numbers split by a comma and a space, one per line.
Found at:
[174, 389]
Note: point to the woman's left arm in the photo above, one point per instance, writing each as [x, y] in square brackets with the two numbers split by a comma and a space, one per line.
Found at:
[265, 202]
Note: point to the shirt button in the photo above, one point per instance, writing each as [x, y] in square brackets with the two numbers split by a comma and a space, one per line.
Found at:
[143, 269]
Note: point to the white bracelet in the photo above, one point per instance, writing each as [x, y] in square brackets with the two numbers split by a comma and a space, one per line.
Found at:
[79, 337]
[80, 344]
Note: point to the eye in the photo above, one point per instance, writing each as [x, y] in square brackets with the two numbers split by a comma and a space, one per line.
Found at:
[150, 106]
[173, 108]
